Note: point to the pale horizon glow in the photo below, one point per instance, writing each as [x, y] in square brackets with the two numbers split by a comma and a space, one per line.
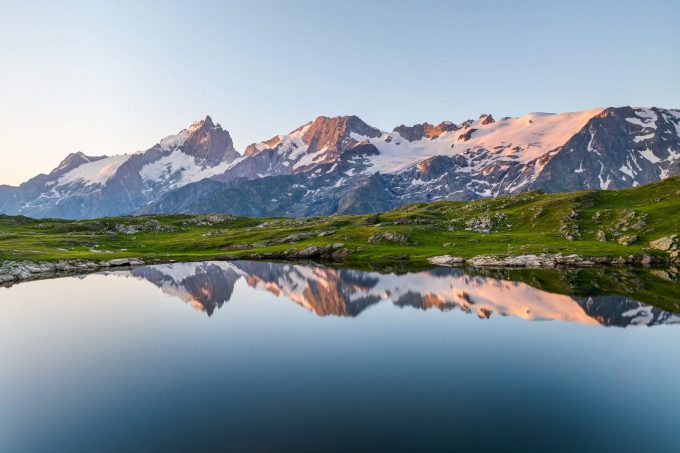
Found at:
[114, 78]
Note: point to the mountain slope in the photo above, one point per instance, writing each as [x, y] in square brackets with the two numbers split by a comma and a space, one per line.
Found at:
[85, 186]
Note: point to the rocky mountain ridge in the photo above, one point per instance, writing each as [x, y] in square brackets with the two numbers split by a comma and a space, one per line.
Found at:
[344, 165]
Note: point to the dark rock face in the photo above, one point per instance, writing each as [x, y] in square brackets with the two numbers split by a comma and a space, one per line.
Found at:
[210, 143]
[486, 119]
[425, 130]
[334, 133]
[370, 195]
[465, 136]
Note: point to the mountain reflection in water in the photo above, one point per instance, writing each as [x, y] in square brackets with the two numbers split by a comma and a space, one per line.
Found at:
[326, 291]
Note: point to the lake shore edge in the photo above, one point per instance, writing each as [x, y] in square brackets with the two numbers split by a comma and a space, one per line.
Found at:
[17, 271]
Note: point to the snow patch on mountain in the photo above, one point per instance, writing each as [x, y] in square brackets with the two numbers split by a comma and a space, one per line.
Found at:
[650, 156]
[522, 139]
[645, 118]
[180, 169]
[93, 173]
[642, 138]
[535, 133]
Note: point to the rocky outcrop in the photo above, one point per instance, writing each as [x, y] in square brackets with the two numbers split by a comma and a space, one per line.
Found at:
[467, 135]
[486, 119]
[517, 261]
[16, 271]
[334, 252]
[388, 236]
[446, 260]
[425, 130]
[666, 243]
[331, 132]
[545, 261]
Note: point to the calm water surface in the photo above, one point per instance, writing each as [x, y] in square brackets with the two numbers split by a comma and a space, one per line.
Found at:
[270, 357]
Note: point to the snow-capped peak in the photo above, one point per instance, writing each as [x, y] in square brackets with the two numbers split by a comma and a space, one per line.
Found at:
[73, 160]
[177, 140]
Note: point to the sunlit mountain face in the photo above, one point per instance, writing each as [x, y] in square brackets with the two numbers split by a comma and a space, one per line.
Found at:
[327, 291]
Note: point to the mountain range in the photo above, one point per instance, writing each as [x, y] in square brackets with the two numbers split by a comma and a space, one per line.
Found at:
[343, 165]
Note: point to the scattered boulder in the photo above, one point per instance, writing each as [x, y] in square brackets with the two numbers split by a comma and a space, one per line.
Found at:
[569, 228]
[629, 220]
[388, 236]
[297, 237]
[123, 262]
[311, 251]
[485, 223]
[213, 233]
[666, 243]
[674, 257]
[446, 260]
[209, 219]
[151, 225]
[334, 251]
[513, 261]
[542, 260]
[126, 229]
[13, 271]
[627, 240]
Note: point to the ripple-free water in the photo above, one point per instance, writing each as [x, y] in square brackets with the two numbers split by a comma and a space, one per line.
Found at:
[234, 356]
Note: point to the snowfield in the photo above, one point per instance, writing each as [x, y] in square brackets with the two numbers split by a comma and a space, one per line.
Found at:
[522, 139]
[93, 173]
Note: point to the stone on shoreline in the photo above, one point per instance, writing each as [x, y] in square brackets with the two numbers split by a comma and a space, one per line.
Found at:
[123, 262]
[14, 271]
[666, 243]
[535, 261]
[514, 261]
[446, 260]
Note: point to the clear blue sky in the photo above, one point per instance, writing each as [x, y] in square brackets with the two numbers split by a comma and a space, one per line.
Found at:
[114, 77]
